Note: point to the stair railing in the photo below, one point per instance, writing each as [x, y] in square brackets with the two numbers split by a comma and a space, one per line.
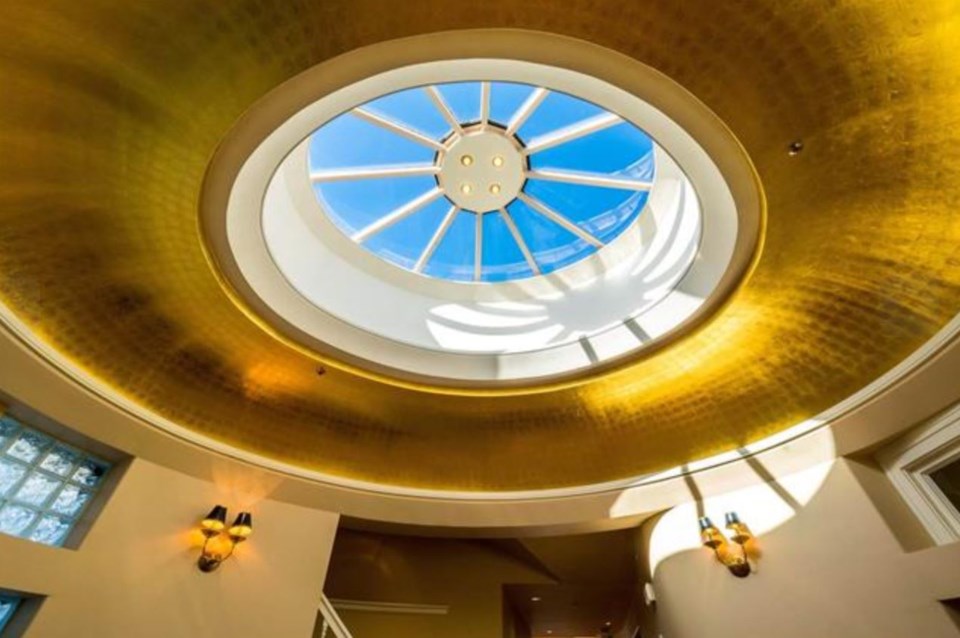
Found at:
[331, 625]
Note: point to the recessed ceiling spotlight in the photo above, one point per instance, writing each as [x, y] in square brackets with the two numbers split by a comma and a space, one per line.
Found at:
[466, 160]
[497, 161]
[466, 188]
[494, 189]
[535, 599]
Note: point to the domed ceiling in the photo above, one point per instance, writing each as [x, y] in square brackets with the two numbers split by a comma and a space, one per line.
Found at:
[112, 112]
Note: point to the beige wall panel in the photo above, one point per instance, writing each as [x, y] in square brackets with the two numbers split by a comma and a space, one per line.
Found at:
[833, 570]
[134, 574]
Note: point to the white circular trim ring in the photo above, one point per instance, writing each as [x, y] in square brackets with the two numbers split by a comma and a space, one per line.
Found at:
[285, 279]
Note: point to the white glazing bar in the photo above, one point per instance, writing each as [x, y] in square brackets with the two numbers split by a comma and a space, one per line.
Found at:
[436, 239]
[396, 215]
[484, 103]
[572, 132]
[478, 248]
[372, 172]
[590, 179]
[397, 128]
[559, 219]
[445, 111]
[526, 110]
[517, 237]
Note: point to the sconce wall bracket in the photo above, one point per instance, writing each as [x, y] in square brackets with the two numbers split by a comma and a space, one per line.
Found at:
[213, 526]
[738, 563]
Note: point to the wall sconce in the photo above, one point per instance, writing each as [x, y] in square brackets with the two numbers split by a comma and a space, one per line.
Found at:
[737, 562]
[213, 526]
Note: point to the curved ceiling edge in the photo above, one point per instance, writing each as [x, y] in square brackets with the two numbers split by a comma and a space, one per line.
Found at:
[819, 424]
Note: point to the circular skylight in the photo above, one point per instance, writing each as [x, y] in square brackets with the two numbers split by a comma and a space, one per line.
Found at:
[481, 181]
[437, 227]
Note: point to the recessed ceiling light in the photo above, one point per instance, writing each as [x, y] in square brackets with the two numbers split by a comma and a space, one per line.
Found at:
[466, 188]
[466, 160]
[535, 599]
[494, 189]
[498, 161]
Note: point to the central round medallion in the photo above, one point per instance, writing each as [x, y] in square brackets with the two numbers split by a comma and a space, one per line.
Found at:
[482, 168]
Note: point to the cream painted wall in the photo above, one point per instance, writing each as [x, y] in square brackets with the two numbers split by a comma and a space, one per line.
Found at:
[834, 569]
[134, 573]
[467, 576]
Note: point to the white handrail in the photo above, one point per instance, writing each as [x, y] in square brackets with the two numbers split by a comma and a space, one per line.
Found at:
[331, 621]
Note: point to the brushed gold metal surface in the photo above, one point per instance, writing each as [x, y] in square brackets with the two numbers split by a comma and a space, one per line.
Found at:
[110, 112]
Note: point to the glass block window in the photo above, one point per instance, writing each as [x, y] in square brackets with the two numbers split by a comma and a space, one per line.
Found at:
[8, 605]
[45, 484]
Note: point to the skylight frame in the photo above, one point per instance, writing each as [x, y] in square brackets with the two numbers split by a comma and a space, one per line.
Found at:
[458, 126]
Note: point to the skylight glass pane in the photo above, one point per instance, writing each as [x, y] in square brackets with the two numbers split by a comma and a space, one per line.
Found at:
[622, 150]
[506, 98]
[414, 108]
[403, 242]
[557, 111]
[349, 141]
[463, 98]
[597, 179]
[352, 205]
[502, 258]
[44, 484]
[552, 245]
[453, 258]
[600, 211]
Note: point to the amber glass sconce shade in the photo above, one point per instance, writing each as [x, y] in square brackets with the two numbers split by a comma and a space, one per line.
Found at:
[736, 561]
[214, 522]
[242, 528]
[217, 549]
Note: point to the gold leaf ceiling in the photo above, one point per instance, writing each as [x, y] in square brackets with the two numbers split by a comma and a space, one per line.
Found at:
[110, 112]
